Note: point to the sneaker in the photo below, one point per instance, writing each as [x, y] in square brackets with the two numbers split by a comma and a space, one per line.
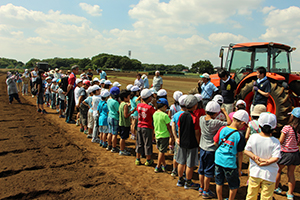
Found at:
[32, 96]
[200, 191]
[163, 168]
[81, 130]
[278, 190]
[61, 116]
[137, 162]
[124, 153]
[104, 146]
[180, 183]
[71, 122]
[208, 195]
[100, 144]
[89, 136]
[174, 173]
[289, 196]
[97, 140]
[114, 150]
[51, 107]
[191, 185]
[109, 148]
[149, 163]
[77, 122]
[57, 110]
[44, 112]
[156, 169]
[86, 132]
[39, 110]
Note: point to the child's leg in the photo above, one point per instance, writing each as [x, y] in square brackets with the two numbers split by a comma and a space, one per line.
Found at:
[189, 172]
[122, 144]
[267, 190]
[232, 194]
[180, 170]
[206, 183]
[201, 180]
[291, 178]
[114, 141]
[109, 139]
[104, 137]
[161, 159]
[278, 176]
[219, 191]
[253, 188]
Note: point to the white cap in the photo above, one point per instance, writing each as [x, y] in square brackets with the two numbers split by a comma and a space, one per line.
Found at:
[96, 79]
[146, 93]
[78, 81]
[240, 102]
[134, 88]
[205, 75]
[107, 82]
[199, 97]
[95, 87]
[181, 100]
[128, 87]
[26, 70]
[48, 78]
[102, 81]
[161, 92]
[241, 115]
[90, 89]
[105, 93]
[267, 118]
[213, 107]
[116, 84]
[54, 80]
[157, 72]
[177, 95]
[144, 76]
[153, 90]
[219, 99]
[56, 69]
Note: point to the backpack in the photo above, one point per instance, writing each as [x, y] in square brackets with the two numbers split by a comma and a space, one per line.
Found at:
[64, 83]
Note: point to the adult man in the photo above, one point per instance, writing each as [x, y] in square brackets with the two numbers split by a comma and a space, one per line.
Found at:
[228, 87]
[70, 94]
[157, 81]
[139, 82]
[102, 74]
[40, 92]
[261, 88]
[206, 88]
[34, 75]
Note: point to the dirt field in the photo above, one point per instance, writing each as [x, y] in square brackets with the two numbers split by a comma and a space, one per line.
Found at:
[42, 157]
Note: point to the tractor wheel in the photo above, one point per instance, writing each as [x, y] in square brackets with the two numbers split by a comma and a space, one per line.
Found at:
[279, 103]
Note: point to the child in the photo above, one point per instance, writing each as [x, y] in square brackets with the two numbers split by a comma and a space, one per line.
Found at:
[162, 131]
[199, 110]
[174, 108]
[61, 99]
[253, 125]
[228, 151]
[103, 114]
[77, 92]
[209, 127]
[113, 119]
[88, 102]
[53, 90]
[124, 120]
[95, 101]
[263, 151]
[47, 90]
[135, 93]
[26, 81]
[145, 128]
[219, 99]
[188, 141]
[240, 105]
[289, 139]
[174, 122]
[83, 109]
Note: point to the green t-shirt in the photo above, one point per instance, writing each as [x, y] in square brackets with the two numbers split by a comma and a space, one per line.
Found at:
[122, 120]
[160, 120]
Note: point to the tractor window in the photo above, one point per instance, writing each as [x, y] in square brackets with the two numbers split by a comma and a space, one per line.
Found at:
[261, 58]
[279, 61]
[240, 64]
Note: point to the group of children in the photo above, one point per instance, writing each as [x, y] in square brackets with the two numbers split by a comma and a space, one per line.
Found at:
[209, 137]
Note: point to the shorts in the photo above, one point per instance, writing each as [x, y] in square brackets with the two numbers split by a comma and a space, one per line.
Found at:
[103, 129]
[90, 120]
[113, 126]
[83, 109]
[124, 132]
[162, 144]
[176, 147]
[231, 175]
[144, 141]
[207, 163]
[187, 156]
[61, 104]
[289, 158]
[40, 98]
[47, 97]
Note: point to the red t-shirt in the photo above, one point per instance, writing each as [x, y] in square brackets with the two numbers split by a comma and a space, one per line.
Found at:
[199, 112]
[72, 79]
[145, 113]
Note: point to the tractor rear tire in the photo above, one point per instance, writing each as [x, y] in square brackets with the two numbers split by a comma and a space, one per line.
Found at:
[282, 102]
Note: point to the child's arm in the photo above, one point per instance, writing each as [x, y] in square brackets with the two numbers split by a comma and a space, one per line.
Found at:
[169, 113]
[174, 130]
[86, 104]
[197, 134]
[240, 161]
[227, 116]
[247, 133]
[170, 131]
[126, 113]
[178, 139]
[282, 137]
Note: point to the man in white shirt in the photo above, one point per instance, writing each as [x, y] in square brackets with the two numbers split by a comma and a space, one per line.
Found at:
[157, 81]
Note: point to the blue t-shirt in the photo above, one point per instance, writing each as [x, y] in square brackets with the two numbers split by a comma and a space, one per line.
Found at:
[103, 113]
[226, 154]
[176, 119]
[89, 101]
[207, 90]
[102, 75]
[133, 105]
[113, 107]
[146, 83]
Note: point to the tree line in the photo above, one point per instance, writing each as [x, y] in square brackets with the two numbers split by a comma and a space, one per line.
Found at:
[108, 61]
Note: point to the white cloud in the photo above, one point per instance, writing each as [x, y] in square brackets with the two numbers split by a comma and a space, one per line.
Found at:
[266, 10]
[92, 10]
[226, 38]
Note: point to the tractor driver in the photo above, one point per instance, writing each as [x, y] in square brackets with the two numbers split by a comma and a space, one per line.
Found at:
[206, 89]
[261, 88]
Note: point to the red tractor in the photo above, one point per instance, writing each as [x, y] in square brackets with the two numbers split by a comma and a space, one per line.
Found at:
[243, 59]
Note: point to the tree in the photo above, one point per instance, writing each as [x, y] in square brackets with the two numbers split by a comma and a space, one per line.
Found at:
[202, 67]
[84, 62]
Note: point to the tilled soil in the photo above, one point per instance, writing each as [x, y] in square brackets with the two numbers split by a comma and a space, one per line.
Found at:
[42, 157]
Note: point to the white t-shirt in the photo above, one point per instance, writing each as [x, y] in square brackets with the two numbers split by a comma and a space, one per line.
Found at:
[47, 88]
[60, 94]
[76, 94]
[34, 74]
[95, 102]
[263, 147]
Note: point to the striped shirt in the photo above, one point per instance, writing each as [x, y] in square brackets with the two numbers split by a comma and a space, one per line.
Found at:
[290, 143]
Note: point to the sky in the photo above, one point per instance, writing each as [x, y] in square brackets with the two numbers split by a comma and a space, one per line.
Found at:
[155, 31]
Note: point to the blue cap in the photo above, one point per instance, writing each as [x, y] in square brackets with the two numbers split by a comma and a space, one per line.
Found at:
[114, 91]
[163, 101]
[296, 112]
